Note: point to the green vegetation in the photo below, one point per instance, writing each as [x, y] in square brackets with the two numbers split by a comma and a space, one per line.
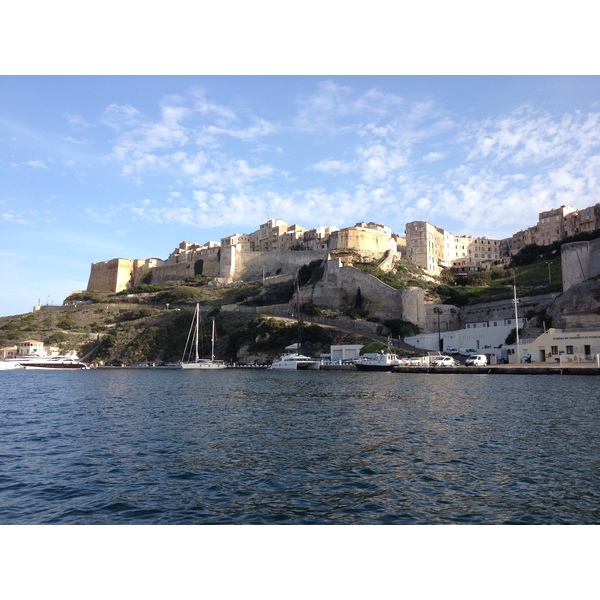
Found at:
[404, 274]
[402, 329]
[511, 338]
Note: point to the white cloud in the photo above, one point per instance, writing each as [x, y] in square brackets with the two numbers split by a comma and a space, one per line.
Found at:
[334, 166]
[433, 157]
[36, 164]
[16, 217]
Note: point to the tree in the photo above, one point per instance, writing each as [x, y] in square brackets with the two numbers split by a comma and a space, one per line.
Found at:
[359, 299]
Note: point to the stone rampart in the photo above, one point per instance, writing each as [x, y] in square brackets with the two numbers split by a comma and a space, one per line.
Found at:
[369, 243]
[339, 288]
[111, 275]
[172, 271]
[580, 261]
[251, 266]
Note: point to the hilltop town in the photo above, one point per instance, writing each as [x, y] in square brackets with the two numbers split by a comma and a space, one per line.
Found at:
[364, 280]
[278, 248]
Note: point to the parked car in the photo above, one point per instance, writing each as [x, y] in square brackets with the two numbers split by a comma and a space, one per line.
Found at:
[404, 361]
[452, 350]
[444, 361]
[415, 361]
[467, 351]
[476, 360]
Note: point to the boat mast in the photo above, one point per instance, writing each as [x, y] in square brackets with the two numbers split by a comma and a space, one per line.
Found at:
[301, 334]
[212, 351]
[196, 333]
[517, 319]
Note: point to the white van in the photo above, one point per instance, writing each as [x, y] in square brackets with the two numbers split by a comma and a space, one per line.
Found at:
[476, 360]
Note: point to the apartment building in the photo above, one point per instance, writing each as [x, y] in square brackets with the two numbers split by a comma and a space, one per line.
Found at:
[434, 249]
[425, 246]
[551, 225]
[582, 221]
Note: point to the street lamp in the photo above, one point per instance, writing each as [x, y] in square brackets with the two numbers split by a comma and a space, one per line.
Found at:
[438, 311]
[549, 274]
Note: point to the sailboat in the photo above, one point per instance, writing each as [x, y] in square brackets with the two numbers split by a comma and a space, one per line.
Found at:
[193, 359]
[296, 360]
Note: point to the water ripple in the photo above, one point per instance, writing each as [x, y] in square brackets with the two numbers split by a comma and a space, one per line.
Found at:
[259, 447]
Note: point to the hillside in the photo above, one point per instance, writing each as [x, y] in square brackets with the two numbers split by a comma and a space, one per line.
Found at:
[138, 327]
[151, 322]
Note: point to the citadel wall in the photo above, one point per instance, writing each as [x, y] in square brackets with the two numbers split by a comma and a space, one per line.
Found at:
[364, 241]
[339, 287]
[580, 261]
[162, 271]
[250, 266]
[111, 275]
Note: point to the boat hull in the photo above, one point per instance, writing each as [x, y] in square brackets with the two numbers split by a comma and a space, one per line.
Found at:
[204, 365]
[296, 366]
[54, 366]
[388, 368]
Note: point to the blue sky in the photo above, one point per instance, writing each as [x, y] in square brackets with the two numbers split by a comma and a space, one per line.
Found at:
[99, 167]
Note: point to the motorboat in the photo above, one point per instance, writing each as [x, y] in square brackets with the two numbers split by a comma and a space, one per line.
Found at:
[191, 358]
[9, 365]
[68, 361]
[385, 361]
[296, 362]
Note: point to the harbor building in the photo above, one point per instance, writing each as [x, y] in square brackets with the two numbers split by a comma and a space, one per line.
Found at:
[565, 346]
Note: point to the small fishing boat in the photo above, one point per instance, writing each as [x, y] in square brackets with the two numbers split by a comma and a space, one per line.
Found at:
[385, 361]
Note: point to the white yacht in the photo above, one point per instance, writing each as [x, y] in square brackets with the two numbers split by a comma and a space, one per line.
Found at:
[68, 361]
[296, 362]
[9, 365]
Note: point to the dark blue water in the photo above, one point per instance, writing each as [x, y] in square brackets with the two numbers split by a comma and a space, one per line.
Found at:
[261, 447]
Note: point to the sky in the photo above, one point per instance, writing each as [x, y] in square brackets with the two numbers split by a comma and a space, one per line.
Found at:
[124, 160]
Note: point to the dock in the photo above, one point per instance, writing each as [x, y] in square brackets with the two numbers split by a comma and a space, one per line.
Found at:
[523, 369]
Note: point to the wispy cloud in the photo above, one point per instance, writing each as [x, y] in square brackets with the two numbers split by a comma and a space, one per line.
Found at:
[36, 164]
[407, 158]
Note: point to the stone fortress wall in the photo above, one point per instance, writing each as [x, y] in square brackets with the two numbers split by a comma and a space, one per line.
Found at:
[580, 261]
[111, 275]
[339, 288]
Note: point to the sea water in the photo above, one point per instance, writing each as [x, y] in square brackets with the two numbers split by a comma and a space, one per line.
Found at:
[253, 446]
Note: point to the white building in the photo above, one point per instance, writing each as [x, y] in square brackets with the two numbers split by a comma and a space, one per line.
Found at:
[482, 335]
[346, 352]
[564, 346]
[31, 347]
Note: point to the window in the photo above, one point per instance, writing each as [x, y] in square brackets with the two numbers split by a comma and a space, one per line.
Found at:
[569, 349]
[554, 350]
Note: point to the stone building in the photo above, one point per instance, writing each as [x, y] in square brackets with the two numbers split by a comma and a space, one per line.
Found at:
[551, 225]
